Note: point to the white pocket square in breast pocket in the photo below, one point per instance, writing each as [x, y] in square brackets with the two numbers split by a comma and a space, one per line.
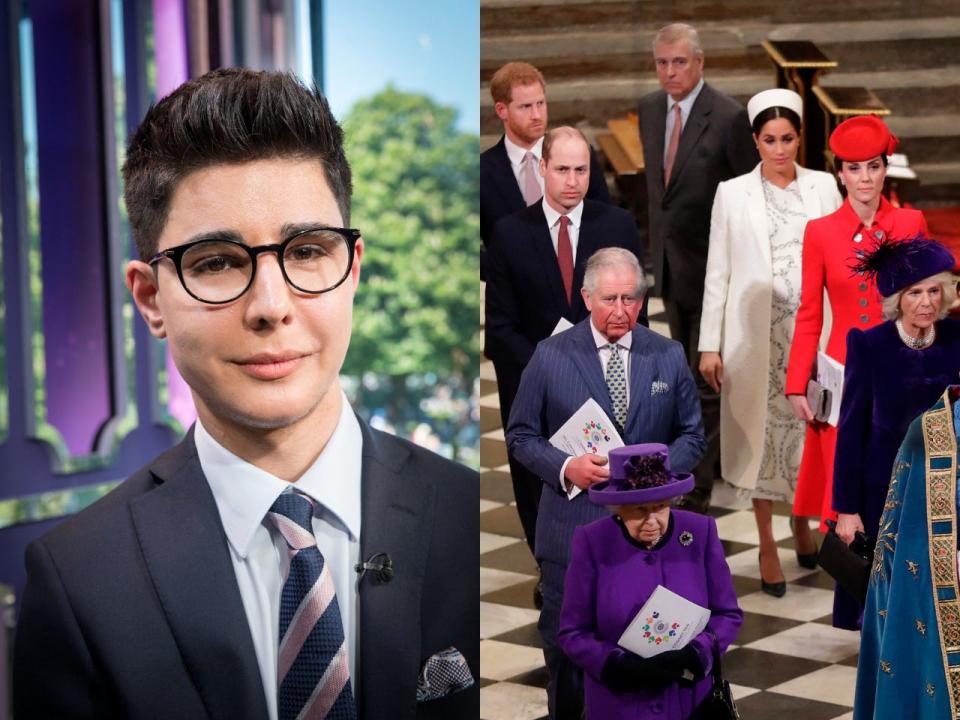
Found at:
[442, 674]
[659, 387]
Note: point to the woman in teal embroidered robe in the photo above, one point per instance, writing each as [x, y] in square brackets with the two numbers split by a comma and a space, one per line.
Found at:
[909, 663]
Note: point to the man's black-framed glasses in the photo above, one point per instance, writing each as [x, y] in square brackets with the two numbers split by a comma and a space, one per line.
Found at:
[218, 271]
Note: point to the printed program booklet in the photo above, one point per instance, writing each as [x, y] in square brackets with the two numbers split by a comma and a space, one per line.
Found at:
[588, 430]
[666, 621]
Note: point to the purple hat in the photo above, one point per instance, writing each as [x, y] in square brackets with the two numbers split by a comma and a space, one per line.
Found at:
[640, 474]
[898, 264]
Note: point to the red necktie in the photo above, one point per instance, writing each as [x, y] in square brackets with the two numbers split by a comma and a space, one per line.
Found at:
[565, 257]
[674, 144]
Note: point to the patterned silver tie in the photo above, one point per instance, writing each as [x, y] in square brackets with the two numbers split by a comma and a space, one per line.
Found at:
[617, 385]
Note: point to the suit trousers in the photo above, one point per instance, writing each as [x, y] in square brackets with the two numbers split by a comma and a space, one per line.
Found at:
[685, 328]
[526, 485]
[565, 682]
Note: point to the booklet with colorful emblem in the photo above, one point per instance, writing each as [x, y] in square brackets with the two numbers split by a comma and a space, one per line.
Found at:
[588, 430]
[666, 621]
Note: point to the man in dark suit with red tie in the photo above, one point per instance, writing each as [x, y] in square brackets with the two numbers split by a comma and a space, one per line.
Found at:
[509, 171]
[535, 271]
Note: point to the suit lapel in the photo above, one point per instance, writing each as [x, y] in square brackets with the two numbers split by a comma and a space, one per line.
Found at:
[656, 137]
[187, 558]
[639, 384]
[587, 361]
[506, 181]
[757, 213]
[396, 506]
[808, 193]
[697, 123]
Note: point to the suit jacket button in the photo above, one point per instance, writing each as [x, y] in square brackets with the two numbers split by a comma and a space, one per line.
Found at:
[649, 559]
[862, 287]
[863, 302]
[864, 319]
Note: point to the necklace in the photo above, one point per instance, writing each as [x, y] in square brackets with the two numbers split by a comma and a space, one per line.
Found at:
[916, 343]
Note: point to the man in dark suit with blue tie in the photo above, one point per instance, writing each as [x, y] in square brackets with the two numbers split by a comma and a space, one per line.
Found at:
[536, 263]
[283, 560]
[657, 403]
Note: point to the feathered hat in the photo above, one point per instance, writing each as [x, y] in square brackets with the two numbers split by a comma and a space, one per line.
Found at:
[898, 264]
[640, 474]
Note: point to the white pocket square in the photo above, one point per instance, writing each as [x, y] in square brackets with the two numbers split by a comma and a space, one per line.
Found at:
[443, 673]
[659, 387]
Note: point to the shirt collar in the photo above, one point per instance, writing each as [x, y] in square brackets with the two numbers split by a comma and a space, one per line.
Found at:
[852, 223]
[601, 341]
[553, 217]
[516, 153]
[688, 101]
[244, 493]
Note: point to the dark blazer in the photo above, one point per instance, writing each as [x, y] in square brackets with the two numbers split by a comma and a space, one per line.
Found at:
[716, 145]
[564, 372]
[500, 194]
[525, 296]
[132, 608]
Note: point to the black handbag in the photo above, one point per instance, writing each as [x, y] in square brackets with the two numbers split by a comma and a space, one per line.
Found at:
[719, 704]
[849, 564]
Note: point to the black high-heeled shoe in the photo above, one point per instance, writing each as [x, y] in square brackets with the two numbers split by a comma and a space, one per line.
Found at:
[777, 589]
[805, 560]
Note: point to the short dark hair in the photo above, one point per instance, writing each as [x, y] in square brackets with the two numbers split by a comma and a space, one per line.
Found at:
[228, 116]
[771, 113]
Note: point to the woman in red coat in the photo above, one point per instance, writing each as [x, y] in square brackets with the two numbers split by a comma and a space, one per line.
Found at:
[860, 146]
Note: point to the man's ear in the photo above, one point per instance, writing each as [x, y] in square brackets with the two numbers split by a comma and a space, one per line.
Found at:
[142, 283]
[357, 259]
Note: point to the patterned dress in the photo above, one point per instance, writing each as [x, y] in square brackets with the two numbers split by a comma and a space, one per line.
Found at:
[783, 435]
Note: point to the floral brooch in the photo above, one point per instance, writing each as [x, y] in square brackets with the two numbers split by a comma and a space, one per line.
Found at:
[686, 537]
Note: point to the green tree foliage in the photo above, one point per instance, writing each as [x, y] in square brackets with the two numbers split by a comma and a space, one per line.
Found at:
[415, 198]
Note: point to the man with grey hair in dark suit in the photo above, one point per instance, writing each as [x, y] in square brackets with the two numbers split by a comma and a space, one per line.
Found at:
[641, 381]
[694, 137]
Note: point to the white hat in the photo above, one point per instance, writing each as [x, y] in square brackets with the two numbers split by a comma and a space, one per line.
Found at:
[777, 97]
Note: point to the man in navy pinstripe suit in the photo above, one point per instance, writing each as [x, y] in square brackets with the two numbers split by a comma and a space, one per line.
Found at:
[662, 405]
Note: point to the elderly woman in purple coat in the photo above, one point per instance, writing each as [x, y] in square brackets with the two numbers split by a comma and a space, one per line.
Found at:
[615, 565]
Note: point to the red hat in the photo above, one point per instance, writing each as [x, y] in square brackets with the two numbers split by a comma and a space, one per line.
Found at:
[861, 138]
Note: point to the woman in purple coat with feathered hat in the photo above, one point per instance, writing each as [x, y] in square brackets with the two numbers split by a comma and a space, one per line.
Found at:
[615, 565]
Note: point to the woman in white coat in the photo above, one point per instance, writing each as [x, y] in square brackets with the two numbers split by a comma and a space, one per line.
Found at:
[750, 301]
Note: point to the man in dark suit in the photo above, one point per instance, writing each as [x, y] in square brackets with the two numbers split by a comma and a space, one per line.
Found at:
[527, 291]
[284, 558]
[509, 181]
[641, 381]
[693, 137]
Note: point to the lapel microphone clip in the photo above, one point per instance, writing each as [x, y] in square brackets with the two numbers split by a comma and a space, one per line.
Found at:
[380, 564]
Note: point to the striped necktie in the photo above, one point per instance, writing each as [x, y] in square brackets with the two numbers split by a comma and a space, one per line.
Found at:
[313, 672]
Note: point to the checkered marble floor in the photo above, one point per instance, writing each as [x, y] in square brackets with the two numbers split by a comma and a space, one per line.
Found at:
[786, 659]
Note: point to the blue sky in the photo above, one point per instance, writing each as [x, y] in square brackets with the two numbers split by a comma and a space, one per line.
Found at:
[428, 46]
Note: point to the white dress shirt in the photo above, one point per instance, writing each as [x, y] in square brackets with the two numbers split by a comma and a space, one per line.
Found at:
[244, 494]
[516, 153]
[573, 229]
[685, 106]
[603, 353]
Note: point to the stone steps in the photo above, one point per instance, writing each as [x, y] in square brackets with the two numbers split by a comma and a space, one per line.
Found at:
[597, 59]
[513, 16]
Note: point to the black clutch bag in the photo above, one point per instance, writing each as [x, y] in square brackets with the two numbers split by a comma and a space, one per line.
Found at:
[719, 704]
[849, 564]
[819, 399]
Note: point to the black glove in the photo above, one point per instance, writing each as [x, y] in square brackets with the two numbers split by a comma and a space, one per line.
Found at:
[683, 659]
[627, 671]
